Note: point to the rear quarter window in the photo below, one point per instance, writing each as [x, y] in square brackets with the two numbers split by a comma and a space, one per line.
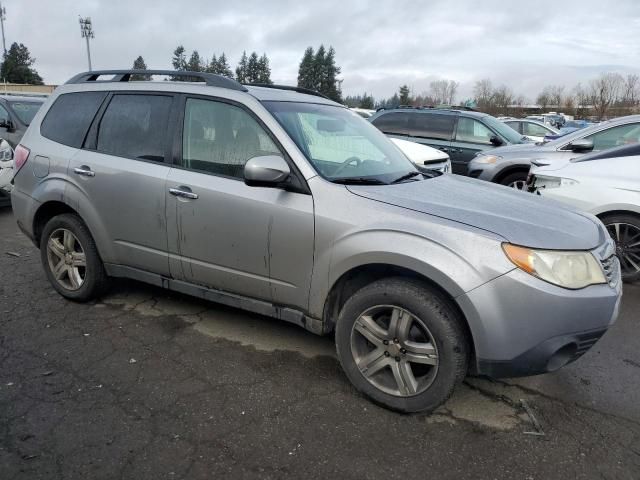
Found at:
[69, 118]
[393, 122]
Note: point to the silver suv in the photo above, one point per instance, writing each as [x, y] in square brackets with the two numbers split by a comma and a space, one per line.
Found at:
[282, 202]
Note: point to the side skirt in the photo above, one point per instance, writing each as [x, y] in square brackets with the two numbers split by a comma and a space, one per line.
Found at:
[230, 299]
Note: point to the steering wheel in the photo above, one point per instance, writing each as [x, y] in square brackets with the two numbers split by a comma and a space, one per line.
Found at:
[346, 164]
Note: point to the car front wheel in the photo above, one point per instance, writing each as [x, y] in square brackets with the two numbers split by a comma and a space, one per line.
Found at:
[625, 231]
[402, 344]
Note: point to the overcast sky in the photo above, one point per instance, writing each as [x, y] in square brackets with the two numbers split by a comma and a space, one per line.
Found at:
[379, 45]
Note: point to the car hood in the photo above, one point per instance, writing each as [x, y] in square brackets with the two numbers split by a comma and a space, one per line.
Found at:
[419, 153]
[518, 217]
[524, 150]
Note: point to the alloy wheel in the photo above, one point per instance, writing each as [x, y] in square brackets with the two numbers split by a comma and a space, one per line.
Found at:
[519, 185]
[394, 350]
[67, 260]
[627, 238]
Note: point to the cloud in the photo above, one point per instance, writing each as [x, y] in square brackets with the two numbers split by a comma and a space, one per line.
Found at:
[379, 45]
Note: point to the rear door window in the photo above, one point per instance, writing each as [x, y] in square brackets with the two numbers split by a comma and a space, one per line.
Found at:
[396, 123]
[515, 125]
[69, 118]
[472, 131]
[136, 126]
[432, 125]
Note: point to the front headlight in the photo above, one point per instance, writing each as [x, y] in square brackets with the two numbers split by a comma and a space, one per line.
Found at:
[543, 181]
[563, 268]
[487, 159]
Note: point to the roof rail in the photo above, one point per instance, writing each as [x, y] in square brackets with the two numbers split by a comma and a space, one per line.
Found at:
[308, 91]
[210, 79]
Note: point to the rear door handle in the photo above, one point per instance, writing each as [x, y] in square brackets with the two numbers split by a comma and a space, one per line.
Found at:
[183, 192]
[85, 171]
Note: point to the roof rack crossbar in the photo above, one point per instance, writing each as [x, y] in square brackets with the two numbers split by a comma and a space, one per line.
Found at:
[308, 91]
[210, 79]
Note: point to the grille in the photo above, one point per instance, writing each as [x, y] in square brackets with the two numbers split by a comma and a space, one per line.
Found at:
[586, 341]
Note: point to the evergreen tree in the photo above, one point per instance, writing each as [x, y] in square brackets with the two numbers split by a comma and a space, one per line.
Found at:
[367, 102]
[179, 60]
[138, 64]
[212, 66]
[264, 71]
[253, 68]
[404, 95]
[330, 85]
[223, 66]
[319, 70]
[305, 70]
[241, 69]
[194, 64]
[16, 67]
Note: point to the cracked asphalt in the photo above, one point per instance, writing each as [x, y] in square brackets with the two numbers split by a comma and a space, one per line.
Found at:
[146, 384]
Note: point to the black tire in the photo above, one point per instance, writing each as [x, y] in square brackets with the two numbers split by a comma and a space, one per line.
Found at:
[629, 272]
[95, 281]
[443, 323]
[512, 178]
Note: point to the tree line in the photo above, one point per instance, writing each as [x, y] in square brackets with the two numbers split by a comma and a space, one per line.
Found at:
[609, 94]
[317, 70]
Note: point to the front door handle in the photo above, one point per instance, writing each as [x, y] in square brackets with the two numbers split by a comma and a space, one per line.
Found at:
[183, 192]
[85, 171]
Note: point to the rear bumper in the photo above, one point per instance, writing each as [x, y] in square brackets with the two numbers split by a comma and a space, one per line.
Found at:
[522, 325]
[24, 209]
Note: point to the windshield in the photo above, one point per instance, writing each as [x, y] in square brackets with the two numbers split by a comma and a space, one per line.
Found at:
[25, 110]
[340, 144]
[504, 130]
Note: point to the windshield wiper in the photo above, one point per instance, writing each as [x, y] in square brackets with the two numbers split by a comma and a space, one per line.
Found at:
[406, 177]
[358, 181]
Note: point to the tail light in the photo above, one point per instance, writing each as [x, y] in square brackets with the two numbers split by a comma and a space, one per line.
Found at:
[20, 156]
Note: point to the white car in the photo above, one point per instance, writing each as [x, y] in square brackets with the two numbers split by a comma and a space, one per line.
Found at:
[533, 130]
[6, 172]
[424, 155]
[606, 184]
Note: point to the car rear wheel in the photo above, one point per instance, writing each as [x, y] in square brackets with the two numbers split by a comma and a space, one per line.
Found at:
[625, 231]
[70, 258]
[402, 344]
[516, 180]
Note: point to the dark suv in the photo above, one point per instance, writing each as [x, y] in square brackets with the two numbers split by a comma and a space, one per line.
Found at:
[16, 113]
[460, 133]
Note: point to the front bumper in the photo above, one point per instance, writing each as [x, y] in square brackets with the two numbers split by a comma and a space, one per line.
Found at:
[522, 325]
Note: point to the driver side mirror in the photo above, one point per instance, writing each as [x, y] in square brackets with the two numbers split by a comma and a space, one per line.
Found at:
[581, 146]
[6, 123]
[266, 171]
[496, 140]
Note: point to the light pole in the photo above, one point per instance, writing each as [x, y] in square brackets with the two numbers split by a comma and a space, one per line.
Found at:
[3, 17]
[86, 31]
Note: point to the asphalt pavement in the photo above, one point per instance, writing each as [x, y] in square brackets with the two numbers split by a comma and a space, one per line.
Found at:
[148, 384]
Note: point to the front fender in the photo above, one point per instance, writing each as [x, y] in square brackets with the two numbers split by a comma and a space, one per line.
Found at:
[470, 261]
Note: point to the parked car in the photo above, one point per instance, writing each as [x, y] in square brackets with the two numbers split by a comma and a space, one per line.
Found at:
[533, 130]
[510, 165]
[606, 184]
[363, 112]
[425, 156]
[460, 133]
[6, 173]
[569, 127]
[287, 204]
[16, 112]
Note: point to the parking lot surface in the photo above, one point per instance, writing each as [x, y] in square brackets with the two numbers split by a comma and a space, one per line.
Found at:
[147, 384]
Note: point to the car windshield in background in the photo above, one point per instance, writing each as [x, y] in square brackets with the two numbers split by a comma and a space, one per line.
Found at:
[506, 131]
[342, 146]
[25, 110]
